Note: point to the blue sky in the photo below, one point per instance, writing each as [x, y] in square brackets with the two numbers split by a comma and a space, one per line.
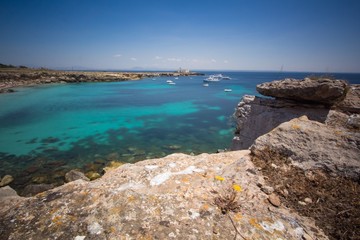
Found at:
[300, 35]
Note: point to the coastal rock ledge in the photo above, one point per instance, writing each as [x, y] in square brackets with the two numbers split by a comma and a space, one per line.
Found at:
[323, 90]
[306, 141]
[209, 196]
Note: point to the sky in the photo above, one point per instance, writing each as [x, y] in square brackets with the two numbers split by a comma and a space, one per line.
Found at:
[253, 35]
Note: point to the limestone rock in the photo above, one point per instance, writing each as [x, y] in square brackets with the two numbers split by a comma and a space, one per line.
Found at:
[6, 180]
[267, 189]
[171, 197]
[8, 199]
[351, 103]
[33, 189]
[74, 175]
[309, 144]
[354, 121]
[6, 192]
[323, 90]
[274, 200]
[256, 116]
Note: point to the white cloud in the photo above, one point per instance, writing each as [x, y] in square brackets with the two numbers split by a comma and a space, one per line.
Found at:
[174, 59]
[213, 60]
[157, 58]
[117, 55]
[133, 59]
[226, 61]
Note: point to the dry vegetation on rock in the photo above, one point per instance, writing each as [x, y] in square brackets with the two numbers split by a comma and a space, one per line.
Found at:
[333, 201]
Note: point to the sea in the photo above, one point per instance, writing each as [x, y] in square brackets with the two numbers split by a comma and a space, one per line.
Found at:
[47, 130]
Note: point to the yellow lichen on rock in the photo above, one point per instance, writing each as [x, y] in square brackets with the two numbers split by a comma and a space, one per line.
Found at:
[237, 188]
[219, 178]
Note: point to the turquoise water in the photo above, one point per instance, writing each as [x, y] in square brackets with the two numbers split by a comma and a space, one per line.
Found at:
[47, 130]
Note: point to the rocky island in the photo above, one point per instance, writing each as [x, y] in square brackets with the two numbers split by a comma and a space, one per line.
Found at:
[17, 77]
[294, 174]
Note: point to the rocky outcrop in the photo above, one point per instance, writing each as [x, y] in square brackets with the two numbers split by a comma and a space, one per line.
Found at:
[209, 196]
[8, 199]
[321, 90]
[310, 145]
[308, 149]
[256, 116]
[351, 103]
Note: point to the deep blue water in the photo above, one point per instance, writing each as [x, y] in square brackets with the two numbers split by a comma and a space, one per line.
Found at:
[47, 130]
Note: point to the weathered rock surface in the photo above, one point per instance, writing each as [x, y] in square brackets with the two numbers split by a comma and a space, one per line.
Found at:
[6, 180]
[310, 145]
[33, 189]
[74, 175]
[323, 90]
[172, 197]
[256, 116]
[8, 198]
[7, 192]
[351, 103]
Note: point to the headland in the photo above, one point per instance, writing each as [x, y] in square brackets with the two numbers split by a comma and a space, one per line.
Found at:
[11, 78]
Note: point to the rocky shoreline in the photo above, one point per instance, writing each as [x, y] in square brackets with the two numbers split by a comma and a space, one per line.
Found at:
[12, 78]
[294, 174]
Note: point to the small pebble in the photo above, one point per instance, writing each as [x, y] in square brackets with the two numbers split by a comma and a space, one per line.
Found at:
[285, 192]
[307, 237]
[302, 203]
[274, 200]
[267, 189]
[308, 200]
[274, 166]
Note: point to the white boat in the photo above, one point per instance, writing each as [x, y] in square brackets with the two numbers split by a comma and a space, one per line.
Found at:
[176, 78]
[212, 78]
[226, 78]
[227, 90]
[169, 81]
[205, 84]
[219, 76]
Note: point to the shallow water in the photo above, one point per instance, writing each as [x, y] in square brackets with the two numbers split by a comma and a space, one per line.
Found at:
[47, 130]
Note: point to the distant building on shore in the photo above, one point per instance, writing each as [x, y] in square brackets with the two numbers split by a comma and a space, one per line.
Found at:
[183, 70]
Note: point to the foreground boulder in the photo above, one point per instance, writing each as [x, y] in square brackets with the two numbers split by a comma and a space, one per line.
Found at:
[209, 196]
[310, 145]
[326, 91]
[8, 198]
